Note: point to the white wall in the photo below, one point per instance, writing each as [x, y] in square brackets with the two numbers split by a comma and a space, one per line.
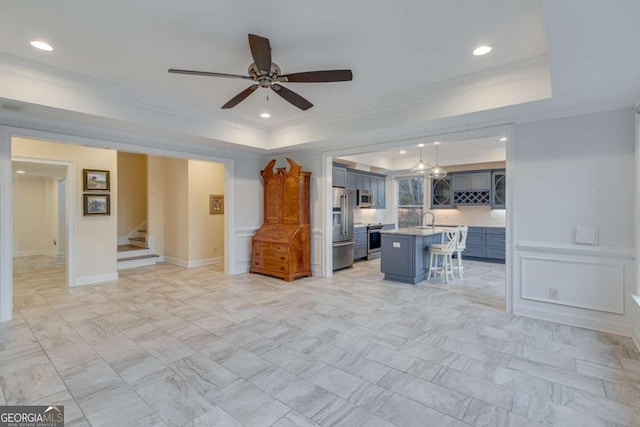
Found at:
[35, 213]
[576, 172]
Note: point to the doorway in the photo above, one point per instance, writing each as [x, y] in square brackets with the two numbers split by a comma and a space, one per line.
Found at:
[40, 231]
[486, 152]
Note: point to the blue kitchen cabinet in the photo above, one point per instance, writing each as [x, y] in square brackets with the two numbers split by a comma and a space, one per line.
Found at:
[441, 194]
[360, 245]
[351, 180]
[498, 189]
[339, 176]
[405, 257]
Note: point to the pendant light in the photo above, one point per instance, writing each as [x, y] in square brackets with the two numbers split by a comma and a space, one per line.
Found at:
[436, 172]
[421, 167]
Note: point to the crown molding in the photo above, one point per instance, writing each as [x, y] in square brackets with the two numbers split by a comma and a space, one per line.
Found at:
[35, 83]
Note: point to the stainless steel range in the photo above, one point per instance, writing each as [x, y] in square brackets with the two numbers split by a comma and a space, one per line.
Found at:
[374, 240]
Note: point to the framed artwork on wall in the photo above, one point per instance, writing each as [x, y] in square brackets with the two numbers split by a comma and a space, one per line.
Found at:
[97, 204]
[95, 180]
[216, 204]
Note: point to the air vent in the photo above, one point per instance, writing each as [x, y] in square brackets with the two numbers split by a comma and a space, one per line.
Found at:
[11, 105]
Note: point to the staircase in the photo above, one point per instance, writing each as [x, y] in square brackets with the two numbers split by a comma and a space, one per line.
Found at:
[137, 252]
[132, 256]
[140, 238]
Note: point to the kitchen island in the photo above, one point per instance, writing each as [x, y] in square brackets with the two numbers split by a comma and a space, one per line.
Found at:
[405, 253]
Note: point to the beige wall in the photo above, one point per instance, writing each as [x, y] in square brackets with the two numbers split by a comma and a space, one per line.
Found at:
[34, 214]
[96, 237]
[132, 191]
[155, 203]
[206, 231]
[176, 210]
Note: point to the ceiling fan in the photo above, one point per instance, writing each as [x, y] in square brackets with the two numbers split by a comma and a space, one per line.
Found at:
[267, 74]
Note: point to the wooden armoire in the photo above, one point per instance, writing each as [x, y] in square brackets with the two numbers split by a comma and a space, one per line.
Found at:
[282, 246]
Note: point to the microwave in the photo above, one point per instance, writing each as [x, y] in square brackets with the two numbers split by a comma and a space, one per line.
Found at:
[365, 198]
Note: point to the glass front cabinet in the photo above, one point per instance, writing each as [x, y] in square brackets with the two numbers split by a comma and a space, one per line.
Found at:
[499, 193]
[441, 194]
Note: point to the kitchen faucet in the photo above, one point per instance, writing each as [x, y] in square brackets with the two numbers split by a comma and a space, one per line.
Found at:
[433, 219]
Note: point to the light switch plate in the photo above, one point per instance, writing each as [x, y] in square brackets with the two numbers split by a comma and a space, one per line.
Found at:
[586, 236]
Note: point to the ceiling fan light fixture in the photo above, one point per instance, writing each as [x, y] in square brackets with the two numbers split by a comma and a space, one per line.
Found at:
[39, 44]
[482, 50]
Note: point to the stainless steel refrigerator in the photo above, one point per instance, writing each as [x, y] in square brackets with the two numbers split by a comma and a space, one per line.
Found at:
[343, 210]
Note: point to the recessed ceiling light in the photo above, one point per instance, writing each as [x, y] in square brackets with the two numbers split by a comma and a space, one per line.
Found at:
[482, 50]
[403, 152]
[436, 143]
[21, 172]
[265, 115]
[39, 44]
[420, 145]
[503, 139]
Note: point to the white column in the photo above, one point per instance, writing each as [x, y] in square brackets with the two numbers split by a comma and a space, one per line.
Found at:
[6, 230]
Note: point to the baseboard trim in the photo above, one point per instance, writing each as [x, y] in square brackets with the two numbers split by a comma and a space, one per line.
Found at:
[35, 253]
[316, 270]
[203, 262]
[98, 278]
[636, 338]
[596, 325]
[176, 261]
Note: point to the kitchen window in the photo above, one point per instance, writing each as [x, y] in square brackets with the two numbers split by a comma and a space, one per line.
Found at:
[410, 201]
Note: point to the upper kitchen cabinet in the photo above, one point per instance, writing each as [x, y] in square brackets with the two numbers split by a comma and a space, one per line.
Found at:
[339, 176]
[441, 194]
[379, 192]
[471, 189]
[478, 181]
[381, 201]
[361, 180]
[499, 189]
[352, 180]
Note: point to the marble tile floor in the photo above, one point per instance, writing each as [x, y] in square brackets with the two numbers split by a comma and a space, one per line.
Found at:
[165, 345]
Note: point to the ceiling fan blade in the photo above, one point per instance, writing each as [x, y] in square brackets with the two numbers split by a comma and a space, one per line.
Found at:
[261, 52]
[208, 74]
[326, 76]
[292, 97]
[240, 97]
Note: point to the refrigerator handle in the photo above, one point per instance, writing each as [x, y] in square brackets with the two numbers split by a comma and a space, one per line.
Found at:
[345, 225]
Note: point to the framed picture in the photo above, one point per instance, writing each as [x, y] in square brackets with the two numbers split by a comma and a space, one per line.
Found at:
[216, 204]
[97, 204]
[95, 180]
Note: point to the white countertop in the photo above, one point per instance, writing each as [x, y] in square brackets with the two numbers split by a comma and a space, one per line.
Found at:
[419, 231]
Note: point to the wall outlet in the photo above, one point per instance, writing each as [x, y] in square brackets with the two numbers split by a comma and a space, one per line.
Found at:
[554, 293]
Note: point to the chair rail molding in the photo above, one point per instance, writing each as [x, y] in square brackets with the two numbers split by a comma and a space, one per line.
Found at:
[573, 249]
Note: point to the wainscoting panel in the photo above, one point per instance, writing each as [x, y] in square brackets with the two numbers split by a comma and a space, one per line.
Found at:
[243, 238]
[316, 252]
[591, 283]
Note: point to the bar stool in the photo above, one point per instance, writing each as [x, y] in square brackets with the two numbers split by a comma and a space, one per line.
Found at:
[462, 245]
[443, 252]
